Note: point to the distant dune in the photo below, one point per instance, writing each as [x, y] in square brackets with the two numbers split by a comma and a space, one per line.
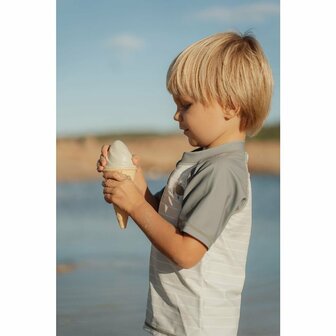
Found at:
[77, 157]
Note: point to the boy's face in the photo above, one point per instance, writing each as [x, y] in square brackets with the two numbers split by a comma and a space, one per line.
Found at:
[205, 126]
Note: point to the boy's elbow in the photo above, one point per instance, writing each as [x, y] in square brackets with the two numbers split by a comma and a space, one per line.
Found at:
[188, 253]
[191, 253]
[187, 265]
[187, 262]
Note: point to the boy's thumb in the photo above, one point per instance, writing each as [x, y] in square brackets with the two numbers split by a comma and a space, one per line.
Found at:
[136, 160]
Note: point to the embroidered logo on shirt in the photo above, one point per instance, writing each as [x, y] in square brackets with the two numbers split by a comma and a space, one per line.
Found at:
[179, 190]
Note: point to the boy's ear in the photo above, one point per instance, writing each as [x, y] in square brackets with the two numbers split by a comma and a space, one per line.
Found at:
[229, 113]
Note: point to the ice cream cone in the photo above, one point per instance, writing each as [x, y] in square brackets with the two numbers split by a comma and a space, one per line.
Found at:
[122, 216]
[119, 159]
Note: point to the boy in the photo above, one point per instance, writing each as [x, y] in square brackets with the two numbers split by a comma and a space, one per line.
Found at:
[199, 224]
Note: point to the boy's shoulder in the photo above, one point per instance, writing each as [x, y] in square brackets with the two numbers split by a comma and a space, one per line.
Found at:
[223, 163]
[225, 169]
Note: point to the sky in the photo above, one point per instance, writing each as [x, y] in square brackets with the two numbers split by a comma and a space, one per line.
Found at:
[113, 56]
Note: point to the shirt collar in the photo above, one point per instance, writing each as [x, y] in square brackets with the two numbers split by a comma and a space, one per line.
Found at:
[203, 154]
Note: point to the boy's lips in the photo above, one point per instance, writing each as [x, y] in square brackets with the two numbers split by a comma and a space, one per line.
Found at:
[184, 129]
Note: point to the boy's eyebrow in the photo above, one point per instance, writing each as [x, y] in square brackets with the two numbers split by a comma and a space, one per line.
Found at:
[178, 99]
[181, 100]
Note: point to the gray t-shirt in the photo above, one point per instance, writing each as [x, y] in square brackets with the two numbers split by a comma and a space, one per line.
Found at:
[208, 197]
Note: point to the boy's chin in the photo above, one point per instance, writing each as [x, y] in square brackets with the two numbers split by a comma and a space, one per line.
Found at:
[193, 142]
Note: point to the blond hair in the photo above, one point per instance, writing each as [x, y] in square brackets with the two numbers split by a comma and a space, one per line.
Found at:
[229, 68]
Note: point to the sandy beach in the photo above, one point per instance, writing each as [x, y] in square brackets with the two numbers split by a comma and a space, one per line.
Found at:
[77, 157]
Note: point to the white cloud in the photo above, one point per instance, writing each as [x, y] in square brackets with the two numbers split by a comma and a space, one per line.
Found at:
[253, 12]
[125, 43]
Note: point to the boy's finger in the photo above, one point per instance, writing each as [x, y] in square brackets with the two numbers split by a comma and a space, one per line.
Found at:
[110, 183]
[102, 160]
[136, 159]
[107, 198]
[108, 190]
[105, 149]
[114, 175]
[99, 167]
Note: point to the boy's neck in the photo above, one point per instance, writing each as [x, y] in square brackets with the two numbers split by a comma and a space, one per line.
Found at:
[227, 138]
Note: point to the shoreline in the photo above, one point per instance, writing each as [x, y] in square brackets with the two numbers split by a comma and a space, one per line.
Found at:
[76, 157]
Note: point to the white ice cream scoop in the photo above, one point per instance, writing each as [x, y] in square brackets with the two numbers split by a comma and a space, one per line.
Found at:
[119, 156]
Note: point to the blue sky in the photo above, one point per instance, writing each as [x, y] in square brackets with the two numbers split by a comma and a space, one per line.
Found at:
[112, 57]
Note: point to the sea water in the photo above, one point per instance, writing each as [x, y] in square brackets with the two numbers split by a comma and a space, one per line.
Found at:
[106, 291]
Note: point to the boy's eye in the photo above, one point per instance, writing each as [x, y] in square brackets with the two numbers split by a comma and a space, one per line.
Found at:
[185, 106]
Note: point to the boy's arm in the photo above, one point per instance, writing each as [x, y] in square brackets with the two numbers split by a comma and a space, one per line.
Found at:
[141, 183]
[180, 247]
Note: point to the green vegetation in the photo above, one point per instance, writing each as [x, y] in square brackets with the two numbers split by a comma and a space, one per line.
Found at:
[267, 133]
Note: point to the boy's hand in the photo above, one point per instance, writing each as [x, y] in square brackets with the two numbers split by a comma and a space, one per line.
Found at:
[120, 190]
[139, 178]
[101, 163]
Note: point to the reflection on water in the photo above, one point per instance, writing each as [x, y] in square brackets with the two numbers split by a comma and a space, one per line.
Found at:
[103, 290]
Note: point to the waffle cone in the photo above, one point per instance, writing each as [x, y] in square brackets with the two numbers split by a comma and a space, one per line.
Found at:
[122, 216]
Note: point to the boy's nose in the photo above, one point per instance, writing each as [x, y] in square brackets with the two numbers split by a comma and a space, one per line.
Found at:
[177, 116]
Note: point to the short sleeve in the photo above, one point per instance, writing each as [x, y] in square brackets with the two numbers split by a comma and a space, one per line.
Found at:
[212, 195]
[158, 195]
